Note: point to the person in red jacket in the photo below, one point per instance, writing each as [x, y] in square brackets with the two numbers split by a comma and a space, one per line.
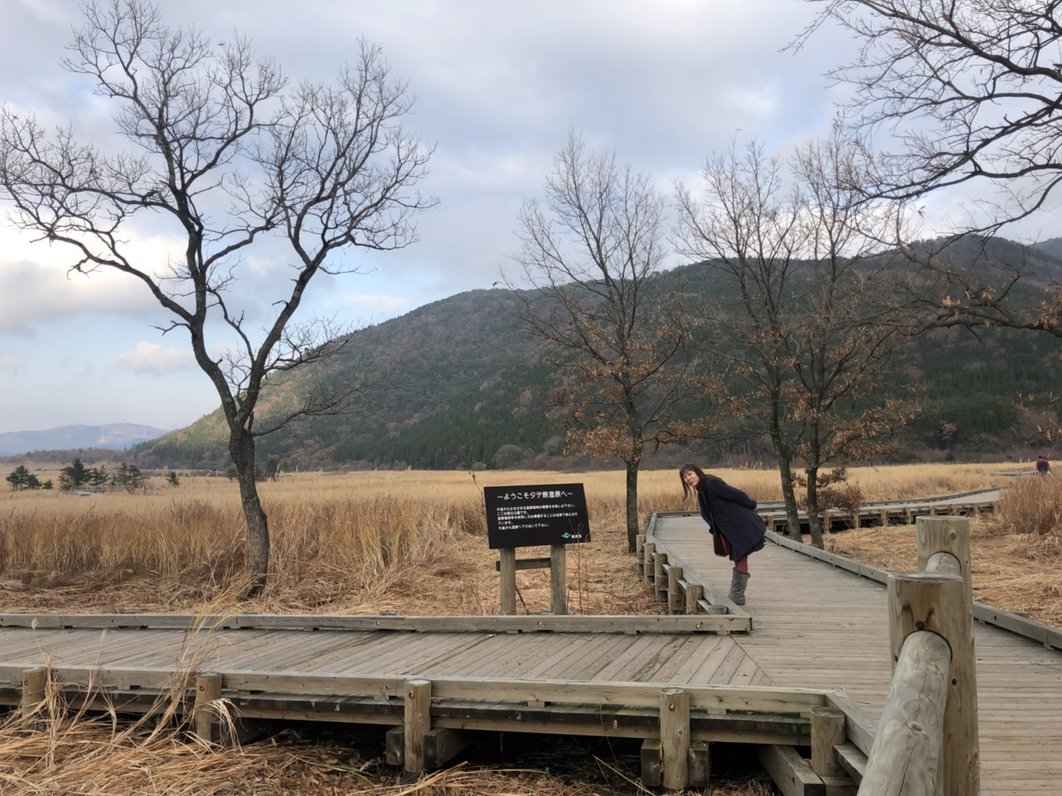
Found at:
[1043, 467]
[737, 530]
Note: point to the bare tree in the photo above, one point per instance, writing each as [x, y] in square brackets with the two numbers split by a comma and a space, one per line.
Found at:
[590, 252]
[807, 339]
[226, 157]
[848, 325]
[747, 228]
[970, 92]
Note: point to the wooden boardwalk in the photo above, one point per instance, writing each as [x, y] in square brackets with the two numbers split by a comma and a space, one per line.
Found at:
[889, 512]
[818, 626]
[809, 629]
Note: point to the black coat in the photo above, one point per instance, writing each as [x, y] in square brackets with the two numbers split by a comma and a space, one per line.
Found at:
[732, 513]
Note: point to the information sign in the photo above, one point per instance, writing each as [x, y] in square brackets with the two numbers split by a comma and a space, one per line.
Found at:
[524, 516]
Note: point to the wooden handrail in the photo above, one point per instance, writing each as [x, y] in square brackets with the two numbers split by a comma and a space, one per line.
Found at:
[927, 738]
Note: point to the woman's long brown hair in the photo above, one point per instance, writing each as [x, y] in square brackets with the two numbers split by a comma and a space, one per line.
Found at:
[687, 490]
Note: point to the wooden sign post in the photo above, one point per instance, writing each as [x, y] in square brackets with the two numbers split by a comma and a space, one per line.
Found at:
[527, 516]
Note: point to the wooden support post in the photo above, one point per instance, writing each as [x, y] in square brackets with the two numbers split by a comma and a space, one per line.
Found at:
[416, 722]
[33, 687]
[649, 552]
[694, 594]
[674, 738]
[884, 518]
[961, 754]
[659, 579]
[507, 570]
[650, 763]
[441, 745]
[639, 543]
[558, 580]
[676, 600]
[207, 692]
[827, 732]
[700, 764]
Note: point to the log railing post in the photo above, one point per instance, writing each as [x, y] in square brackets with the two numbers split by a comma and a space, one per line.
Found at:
[416, 722]
[676, 600]
[907, 756]
[659, 578]
[694, 593]
[961, 754]
[204, 716]
[674, 738]
[33, 689]
[827, 732]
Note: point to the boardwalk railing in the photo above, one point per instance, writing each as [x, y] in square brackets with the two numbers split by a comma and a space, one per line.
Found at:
[681, 593]
[927, 739]
[430, 718]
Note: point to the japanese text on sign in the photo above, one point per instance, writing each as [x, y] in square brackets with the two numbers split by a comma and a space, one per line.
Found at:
[522, 516]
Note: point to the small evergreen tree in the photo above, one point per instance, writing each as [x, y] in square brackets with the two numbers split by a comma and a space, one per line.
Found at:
[98, 477]
[73, 476]
[172, 479]
[21, 478]
[129, 477]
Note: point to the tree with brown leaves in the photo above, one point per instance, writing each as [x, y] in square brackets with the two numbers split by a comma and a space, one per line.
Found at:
[589, 252]
[807, 334]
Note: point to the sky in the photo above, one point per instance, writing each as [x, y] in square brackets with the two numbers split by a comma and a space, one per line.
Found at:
[499, 84]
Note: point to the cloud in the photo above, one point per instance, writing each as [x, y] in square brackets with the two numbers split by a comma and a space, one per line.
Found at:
[156, 360]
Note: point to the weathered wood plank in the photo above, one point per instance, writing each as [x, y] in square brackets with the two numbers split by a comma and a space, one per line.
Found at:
[447, 624]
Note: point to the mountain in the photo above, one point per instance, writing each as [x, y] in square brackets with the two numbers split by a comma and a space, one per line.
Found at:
[113, 436]
[461, 381]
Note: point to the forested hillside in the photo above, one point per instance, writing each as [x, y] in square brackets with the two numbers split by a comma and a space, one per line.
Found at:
[460, 382]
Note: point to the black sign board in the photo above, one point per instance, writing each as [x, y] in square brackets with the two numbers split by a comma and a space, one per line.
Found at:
[523, 516]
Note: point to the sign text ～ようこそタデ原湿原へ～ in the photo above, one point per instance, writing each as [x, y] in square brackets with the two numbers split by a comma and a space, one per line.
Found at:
[525, 516]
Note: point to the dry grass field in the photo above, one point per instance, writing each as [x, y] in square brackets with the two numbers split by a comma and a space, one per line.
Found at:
[412, 543]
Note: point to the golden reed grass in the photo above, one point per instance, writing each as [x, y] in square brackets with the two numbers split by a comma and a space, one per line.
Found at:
[362, 542]
[413, 542]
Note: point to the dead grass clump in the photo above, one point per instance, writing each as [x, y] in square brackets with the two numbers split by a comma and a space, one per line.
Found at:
[1005, 574]
[1033, 506]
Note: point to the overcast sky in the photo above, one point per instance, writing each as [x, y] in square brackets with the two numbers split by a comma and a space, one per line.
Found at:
[499, 84]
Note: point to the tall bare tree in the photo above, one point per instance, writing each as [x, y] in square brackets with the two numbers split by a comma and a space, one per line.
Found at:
[970, 93]
[805, 336]
[746, 228]
[226, 157]
[848, 325]
[590, 252]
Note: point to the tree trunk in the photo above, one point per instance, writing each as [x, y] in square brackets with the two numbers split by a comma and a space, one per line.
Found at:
[814, 518]
[632, 502]
[785, 473]
[792, 513]
[242, 446]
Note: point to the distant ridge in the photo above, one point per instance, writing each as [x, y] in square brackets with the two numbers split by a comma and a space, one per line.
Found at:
[113, 436]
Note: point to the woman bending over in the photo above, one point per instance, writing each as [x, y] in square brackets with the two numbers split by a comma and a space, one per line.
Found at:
[737, 530]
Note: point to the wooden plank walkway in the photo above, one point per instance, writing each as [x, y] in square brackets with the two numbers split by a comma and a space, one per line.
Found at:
[604, 653]
[818, 626]
[753, 676]
[890, 512]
